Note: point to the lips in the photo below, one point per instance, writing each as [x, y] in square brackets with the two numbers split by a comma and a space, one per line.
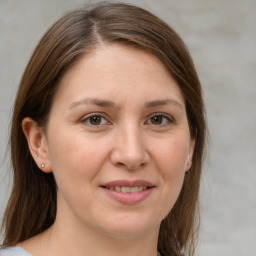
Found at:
[128, 192]
[125, 189]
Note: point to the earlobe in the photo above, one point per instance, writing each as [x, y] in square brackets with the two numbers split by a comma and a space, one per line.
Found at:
[188, 165]
[37, 144]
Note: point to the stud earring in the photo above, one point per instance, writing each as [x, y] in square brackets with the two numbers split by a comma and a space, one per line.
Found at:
[42, 165]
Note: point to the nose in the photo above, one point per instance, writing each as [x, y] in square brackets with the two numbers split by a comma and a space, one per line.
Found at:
[129, 150]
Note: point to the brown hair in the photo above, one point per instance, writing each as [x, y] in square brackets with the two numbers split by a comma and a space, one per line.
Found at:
[32, 205]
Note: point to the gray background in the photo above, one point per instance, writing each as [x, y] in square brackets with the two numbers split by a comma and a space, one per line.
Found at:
[221, 36]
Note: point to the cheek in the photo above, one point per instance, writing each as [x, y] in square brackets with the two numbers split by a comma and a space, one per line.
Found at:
[75, 162]
[172, 155]
[76, 156]
[65, 147]
[171, 162]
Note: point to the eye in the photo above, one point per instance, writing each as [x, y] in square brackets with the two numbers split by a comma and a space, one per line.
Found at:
[94, 120]
[160, 120]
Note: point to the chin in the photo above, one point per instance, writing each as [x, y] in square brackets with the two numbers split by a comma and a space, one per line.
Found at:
[130, 227]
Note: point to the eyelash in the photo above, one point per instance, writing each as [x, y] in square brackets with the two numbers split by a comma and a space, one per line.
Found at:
[86, 119]
[169, 120]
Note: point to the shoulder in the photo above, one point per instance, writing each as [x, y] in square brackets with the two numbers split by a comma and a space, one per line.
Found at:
[13, 251]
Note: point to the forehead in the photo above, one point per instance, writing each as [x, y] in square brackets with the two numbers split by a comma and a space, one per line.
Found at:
[113, 70]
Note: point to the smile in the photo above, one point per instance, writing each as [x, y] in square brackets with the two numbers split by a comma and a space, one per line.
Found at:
[128, 189]
[128, 192]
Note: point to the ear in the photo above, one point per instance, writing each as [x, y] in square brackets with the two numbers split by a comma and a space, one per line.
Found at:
[37, 144]
[190, 154]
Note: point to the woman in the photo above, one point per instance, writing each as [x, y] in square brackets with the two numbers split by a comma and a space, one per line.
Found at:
[107, 140]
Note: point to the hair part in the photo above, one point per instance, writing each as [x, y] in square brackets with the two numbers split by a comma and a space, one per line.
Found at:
[32, 205]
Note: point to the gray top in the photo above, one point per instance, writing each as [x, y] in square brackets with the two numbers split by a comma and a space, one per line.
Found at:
[18, 251]
[13, 251]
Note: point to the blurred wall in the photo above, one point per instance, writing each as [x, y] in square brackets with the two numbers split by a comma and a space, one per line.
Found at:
[221, 36]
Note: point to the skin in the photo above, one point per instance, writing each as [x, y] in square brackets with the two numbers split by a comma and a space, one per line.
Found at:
[139, 132]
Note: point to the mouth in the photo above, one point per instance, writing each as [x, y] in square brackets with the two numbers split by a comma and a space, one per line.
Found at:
[128, 192]
[125, 189]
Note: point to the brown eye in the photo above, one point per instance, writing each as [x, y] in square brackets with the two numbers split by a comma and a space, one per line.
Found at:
[160, 120]
[157, 120]
[95, 120]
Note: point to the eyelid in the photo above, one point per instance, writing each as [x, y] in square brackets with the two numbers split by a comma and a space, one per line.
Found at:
[85, 118]
[100, 114]
[170, 119]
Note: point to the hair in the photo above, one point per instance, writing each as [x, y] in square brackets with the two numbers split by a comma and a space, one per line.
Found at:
[32, 205]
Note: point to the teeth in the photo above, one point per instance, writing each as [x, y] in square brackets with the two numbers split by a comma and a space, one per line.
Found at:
[140, 188]
[117, 188]
[134, 189]
[128, 189]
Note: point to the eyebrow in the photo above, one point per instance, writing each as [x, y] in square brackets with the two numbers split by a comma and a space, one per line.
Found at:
[91, 101]
[155, 103]
[111, 104]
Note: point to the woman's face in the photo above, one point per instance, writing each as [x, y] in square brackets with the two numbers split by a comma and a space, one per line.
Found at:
[118, 142]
